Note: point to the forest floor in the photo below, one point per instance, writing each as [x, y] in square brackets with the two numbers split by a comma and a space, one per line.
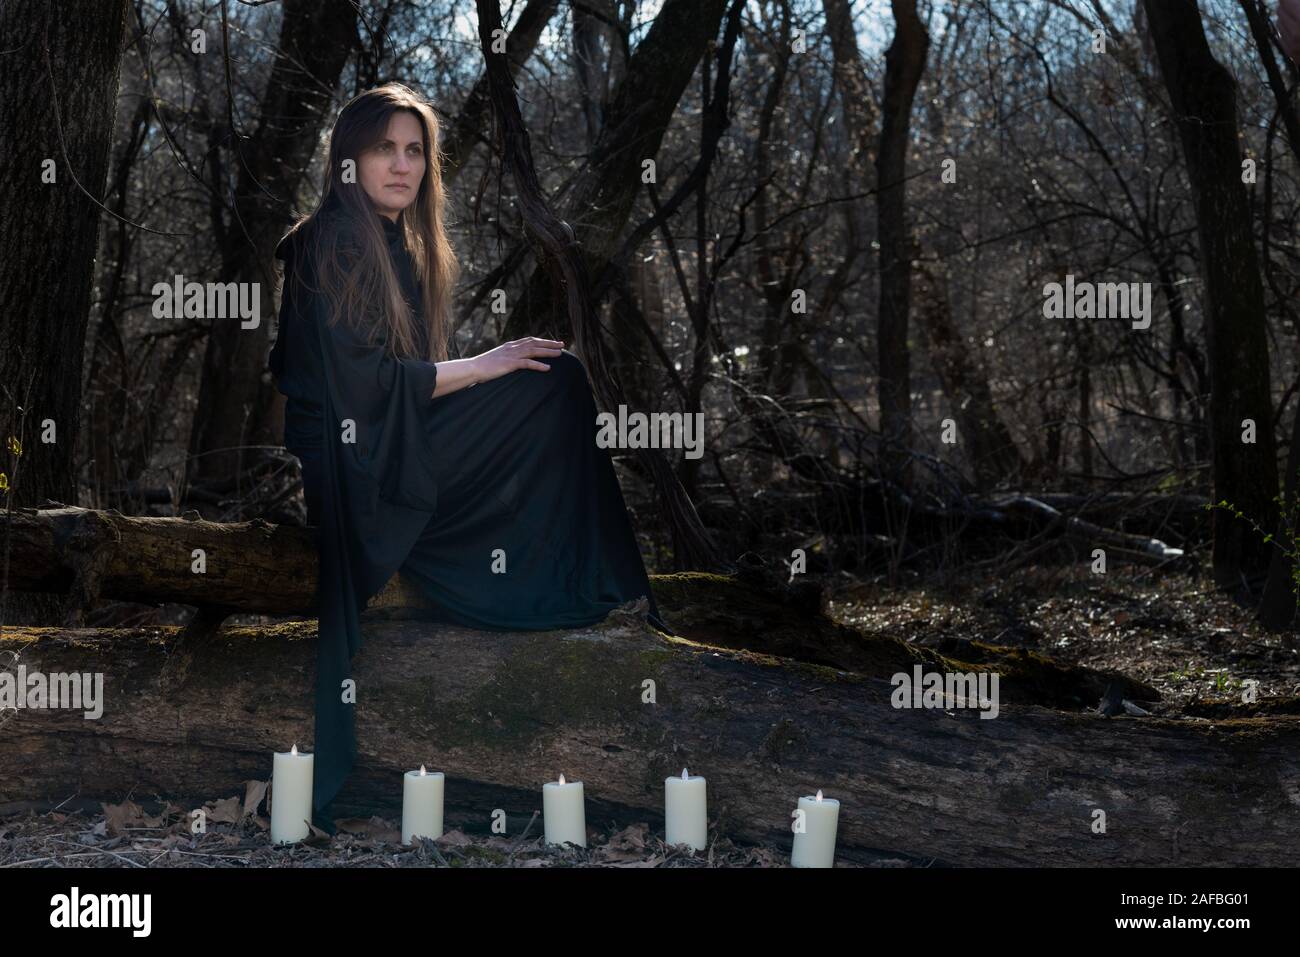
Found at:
[1169, 630]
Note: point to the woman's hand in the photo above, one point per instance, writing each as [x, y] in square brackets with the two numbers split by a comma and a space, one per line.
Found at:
[518, 354]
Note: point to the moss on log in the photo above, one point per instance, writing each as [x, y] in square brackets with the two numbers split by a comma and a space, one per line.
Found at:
[501, 713]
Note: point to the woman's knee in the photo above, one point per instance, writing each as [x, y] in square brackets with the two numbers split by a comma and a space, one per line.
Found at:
[569, 366]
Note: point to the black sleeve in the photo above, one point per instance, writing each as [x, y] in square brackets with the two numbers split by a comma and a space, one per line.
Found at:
[377, 408]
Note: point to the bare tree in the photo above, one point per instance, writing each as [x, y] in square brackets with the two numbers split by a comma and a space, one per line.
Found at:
[58, 95]
[599, 203]
[475, 113]
[236, 405]
[692, 546]
[904, 63]
[1203, 94]
[1277, 607]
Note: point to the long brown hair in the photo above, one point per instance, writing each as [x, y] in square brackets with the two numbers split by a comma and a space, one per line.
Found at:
[346, 241]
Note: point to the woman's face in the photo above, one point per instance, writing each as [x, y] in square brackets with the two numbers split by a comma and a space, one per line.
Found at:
[391, 171]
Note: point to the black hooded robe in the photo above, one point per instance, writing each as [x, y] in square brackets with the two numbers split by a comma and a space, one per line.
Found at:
[494, 500]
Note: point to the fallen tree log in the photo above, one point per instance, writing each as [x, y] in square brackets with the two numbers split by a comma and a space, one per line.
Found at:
[501, 713]
[91, 555]
[984, 525]
[258, 567]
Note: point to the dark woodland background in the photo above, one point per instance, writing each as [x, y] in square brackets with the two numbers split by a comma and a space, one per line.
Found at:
[800, 271]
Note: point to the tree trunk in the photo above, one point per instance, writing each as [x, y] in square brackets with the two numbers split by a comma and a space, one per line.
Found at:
[590, 25]
[58, 97]
[467, 131]
[1277, 607]
[991, 450]
[692, 545]
[1203, 94]
[601, 200]
[237, 403]
[904, 63]
[501, 713]
[121, 440]
[860, 112]
[91, 555]
[856, 105]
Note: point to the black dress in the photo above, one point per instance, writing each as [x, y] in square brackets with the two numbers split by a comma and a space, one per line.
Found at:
[494, 500]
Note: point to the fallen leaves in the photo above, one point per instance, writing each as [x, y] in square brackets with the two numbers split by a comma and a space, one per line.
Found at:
[226, 811]
[119, 817]
[125, 835]
[254, 793]
[628, 844]
[1134, 621]
[373, 828]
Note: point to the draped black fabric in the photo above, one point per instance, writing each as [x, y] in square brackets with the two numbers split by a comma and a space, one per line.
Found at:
[494, 500]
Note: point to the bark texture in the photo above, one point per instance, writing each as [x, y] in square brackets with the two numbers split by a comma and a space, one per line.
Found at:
[500, 713]
[238, 404]
[1203, 94]
[58, 98]
[904, 63]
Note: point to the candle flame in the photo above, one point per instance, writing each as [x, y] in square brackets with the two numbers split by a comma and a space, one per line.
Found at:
[422, 771]
[819, 794]
[561, 778]
[295, 748]
[684, 774]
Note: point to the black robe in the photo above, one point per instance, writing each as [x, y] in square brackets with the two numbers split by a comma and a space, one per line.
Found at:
[494, 500]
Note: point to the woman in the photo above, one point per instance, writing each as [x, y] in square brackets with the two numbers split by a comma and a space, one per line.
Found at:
[494, 500]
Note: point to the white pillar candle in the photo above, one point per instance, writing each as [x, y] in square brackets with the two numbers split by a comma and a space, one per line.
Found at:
[815, 847]
[685, 811]
[291, 795]
[563, 815]
[421, 804]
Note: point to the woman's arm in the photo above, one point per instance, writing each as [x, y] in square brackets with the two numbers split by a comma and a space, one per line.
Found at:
[455, 374]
